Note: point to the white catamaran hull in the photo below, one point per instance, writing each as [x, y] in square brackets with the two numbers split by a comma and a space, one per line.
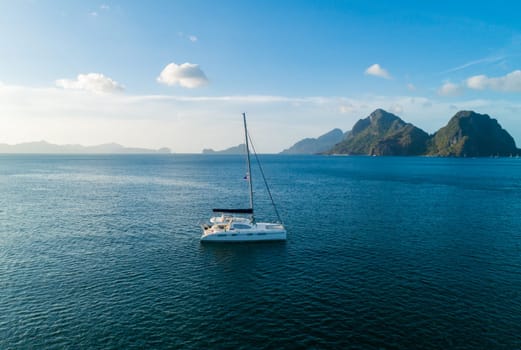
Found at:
[259, 232]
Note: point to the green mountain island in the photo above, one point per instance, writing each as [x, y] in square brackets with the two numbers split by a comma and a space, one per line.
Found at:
[383, 134]
[320, 144]
[468, 134]
[473, 135]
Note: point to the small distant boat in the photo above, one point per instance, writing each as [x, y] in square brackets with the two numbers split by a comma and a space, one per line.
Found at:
[239, 225]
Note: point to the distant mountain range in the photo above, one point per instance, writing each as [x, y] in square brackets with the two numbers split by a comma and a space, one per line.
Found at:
[467, 134]
[43, 147]
[306, 146]
[239, 149]
[320, 144]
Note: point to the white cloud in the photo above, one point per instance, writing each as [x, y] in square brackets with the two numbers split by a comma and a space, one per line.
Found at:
[396, 109]
[411, 87]
[346, 108]
[450, 89]
[187, 75]
[93, 82]
[192, 38]
[377, 71]
[104, 7]
[508, 83]
[477, 82]
[93, 14]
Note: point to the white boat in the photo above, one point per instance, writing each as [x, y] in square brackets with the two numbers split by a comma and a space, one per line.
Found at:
[239, 225]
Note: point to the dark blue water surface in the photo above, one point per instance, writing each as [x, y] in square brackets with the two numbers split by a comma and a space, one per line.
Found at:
[382, 253]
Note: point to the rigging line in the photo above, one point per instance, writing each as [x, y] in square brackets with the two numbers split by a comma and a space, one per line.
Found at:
[264, 178]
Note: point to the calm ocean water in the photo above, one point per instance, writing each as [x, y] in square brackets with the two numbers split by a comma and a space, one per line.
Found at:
[383, 253]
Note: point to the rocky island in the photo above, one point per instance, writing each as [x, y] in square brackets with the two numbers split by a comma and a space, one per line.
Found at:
[467, 134]
[383, 134]
[239, 149]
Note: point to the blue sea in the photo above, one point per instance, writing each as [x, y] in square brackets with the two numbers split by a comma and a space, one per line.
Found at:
[103, 252]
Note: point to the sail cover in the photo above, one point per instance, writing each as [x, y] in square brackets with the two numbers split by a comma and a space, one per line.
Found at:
[235, 211]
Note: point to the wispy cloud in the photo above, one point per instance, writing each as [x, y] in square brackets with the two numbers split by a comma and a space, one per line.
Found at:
[187, 75]
[491, 59]
[93, 82]
[345, 108]
[102, 8]
[193, 38]
[377, 71]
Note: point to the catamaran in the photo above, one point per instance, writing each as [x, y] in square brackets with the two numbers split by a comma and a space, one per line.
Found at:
[239, 225]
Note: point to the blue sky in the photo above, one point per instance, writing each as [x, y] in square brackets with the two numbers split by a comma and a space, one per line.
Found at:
[179, 73]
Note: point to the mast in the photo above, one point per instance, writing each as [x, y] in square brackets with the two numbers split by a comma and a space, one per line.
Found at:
[249, 166]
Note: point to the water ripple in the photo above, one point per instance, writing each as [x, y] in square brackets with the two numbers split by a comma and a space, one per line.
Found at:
[103, 252]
